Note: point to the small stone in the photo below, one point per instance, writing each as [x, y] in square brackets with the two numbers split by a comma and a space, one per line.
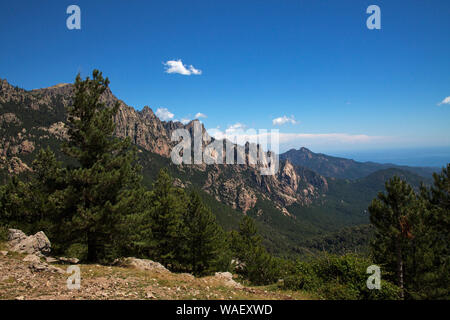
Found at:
[3, 253]
[69, 260]
[51, 260]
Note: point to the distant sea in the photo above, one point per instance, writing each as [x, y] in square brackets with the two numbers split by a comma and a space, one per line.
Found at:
[423, 157]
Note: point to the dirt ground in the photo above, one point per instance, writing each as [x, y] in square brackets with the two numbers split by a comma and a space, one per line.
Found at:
[18, 281]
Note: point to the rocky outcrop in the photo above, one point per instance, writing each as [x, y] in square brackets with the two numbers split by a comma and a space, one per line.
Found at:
[144, 129]
[140, 264]
[37, 244]
[240, 186]
[9, 118]
[59, 130]
[36, 247]
[13, 165]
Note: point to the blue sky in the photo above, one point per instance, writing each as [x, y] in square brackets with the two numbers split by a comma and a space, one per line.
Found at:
[348, 88]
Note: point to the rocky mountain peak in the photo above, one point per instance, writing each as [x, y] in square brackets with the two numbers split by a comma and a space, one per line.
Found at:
[303, 149]
[147, 111]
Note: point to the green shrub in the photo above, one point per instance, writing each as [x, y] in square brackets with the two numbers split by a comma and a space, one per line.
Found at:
[301, 282]
[388, 291]
[3, 233]
[338, 278]
[77, 250]
[339, 291]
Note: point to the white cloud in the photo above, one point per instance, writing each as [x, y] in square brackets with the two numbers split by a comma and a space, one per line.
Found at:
[233, 131]
[177, 66]
[445, 101]
[164, 114]
[185, 120]
[200, 115]
[236, 126]
[197, 72]
[283, 120]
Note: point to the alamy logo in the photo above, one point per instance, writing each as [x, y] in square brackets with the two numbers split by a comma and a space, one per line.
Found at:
[232, 147]
[74, 20]
[74, 280]
[374, 281]
[374, 20]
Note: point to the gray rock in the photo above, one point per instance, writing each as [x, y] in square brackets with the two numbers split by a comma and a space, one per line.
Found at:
[68, 260]
[51, 260]
[140, 264]
[15, 236]
[37, 244]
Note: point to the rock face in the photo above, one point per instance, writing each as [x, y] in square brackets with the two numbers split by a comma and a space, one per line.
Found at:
[240, 186]
[37, 244]
[8, 118]
[140, 264]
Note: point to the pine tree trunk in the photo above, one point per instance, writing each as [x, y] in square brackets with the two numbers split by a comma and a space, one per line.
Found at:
[400, 270]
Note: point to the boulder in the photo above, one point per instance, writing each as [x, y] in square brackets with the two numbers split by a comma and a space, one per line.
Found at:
[37, 244]
[140, 264]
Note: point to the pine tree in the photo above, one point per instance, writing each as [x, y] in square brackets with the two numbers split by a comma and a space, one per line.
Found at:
[434, 268]
[168, 206]
[47, 182]
[34, 205]
[101, 185]
[204, 236]
[14, 209]
[392, 214]
[255, 263]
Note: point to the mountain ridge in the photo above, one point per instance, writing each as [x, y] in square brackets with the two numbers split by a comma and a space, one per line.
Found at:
[337, 167]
